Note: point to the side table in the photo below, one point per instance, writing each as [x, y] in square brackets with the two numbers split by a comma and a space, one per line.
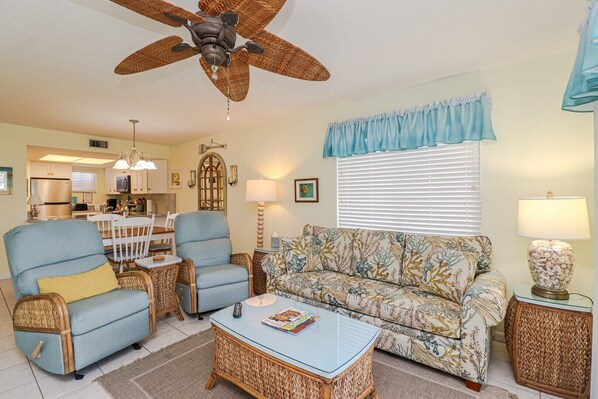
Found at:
[259, 277]
[550, 342]
[163, 273]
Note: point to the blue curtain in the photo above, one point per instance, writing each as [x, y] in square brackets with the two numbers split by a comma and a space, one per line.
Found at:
[449, 122]
[582, 89]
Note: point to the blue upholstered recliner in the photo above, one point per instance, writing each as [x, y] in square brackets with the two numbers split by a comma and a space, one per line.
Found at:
[210, 276]
[79, 333]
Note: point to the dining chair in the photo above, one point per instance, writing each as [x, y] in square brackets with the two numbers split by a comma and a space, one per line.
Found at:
[130, 238]
[165, 245]
[104, 223]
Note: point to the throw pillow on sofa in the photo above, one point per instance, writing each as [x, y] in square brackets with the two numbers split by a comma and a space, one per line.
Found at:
[448, 274]
[301, 254]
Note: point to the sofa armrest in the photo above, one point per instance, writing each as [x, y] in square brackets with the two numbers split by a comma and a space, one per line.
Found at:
[46, 313]
[137, 280]
[186, 276]
[243, 259]
[274, 266]
[486, 298]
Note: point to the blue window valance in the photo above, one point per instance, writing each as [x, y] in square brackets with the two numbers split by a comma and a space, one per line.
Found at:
[582, 89]
[449, 122]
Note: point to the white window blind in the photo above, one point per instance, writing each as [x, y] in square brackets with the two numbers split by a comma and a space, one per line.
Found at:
[432, 190]
[84, 181]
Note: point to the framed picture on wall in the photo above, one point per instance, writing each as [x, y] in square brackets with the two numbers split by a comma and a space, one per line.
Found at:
[174, 179]
[306, 190]
[5, 180]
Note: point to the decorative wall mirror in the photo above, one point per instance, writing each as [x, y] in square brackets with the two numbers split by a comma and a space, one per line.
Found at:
[211, 182]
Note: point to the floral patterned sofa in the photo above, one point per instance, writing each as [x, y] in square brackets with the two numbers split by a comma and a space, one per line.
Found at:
[434, 298]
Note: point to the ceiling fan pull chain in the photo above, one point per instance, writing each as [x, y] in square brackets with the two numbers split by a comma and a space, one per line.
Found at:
[228, 91]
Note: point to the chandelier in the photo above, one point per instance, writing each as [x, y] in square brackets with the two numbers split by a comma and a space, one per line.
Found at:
[134, 160]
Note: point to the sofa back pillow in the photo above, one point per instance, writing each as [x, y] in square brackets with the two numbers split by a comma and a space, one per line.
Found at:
[335, 246]
[79, 286]
[418, 248]
[301, 254]
[448, 273]
[378, 255]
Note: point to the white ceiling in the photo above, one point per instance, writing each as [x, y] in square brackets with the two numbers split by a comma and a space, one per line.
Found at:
[57, 59]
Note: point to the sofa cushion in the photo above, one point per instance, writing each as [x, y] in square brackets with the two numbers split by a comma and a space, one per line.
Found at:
[419, 247]
[378, 255]
[91, 313]
[75, 287]
[214, 276]
[448, 273]
[301, 254]
[336, 248]
[306, 285]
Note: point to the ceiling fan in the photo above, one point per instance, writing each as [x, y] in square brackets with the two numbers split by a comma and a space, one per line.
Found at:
[213, 31]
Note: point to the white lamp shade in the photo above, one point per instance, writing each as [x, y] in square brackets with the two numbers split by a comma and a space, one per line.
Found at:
[35, 200]
[260, 190]
[121, 164]
[554, 218]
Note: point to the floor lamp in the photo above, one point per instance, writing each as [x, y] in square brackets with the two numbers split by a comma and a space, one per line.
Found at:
[260, 191]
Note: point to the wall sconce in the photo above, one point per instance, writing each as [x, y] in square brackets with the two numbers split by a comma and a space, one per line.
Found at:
[192, 179]
[234, 178]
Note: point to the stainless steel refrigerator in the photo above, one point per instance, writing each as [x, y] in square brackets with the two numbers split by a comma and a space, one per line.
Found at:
[56, 194]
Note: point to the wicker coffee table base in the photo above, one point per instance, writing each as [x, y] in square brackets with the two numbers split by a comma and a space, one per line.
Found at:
[264, 376]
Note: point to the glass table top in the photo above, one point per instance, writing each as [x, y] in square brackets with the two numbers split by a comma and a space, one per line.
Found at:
[576, 302]
[325, 348]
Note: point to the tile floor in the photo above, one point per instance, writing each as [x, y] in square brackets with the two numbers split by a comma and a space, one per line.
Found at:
[20, 378]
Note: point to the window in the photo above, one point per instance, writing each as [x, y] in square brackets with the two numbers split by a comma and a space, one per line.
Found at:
[433, 190]
[84, 181]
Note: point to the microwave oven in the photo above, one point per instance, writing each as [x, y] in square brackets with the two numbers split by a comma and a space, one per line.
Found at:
[123, 184]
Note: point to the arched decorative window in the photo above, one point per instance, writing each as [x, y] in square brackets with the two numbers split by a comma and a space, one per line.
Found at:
[211, 176]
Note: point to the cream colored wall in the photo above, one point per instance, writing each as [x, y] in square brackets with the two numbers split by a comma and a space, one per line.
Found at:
[13, 153]
[538, 148]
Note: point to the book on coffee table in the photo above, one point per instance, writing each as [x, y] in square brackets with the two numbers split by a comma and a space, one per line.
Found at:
[291, 320]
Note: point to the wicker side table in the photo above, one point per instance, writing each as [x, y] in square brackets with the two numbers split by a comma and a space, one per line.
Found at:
[163, 273]
[550, 343]
[259, 277]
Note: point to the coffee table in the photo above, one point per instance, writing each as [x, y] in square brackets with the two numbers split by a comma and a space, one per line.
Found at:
[330, 359]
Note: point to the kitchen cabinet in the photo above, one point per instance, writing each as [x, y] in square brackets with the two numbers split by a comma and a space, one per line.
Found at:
[157, 180]
[110, 181]
[50, 170]
[138, 181]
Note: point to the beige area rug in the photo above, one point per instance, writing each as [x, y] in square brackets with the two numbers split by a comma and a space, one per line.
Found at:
[181, 370]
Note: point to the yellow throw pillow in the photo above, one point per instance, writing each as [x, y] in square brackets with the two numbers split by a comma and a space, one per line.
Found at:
[80, 286]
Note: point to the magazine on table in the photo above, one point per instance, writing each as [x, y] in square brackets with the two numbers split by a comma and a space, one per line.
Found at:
[291, 320]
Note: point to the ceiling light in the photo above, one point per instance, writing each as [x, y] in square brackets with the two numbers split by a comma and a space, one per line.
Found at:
[134, 160]
[59, 158]
[93, 161]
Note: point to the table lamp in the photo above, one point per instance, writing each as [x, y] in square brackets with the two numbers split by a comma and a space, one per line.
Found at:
[551, 261]
[260, 191]
[33, 201]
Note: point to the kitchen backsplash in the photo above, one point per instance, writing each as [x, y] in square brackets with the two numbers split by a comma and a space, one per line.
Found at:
[161, 203]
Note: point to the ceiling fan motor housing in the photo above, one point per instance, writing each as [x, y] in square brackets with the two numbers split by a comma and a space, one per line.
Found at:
[212, 49]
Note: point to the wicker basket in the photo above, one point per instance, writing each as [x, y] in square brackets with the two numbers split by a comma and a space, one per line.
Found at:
[550, 348]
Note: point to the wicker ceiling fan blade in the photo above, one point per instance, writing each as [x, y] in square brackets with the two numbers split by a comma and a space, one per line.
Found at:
[154, 55]
[157, 10]
[237, 72]
[286, 59]
[254, 15]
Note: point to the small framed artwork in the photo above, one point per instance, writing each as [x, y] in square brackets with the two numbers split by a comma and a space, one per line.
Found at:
[306, 190]
[175, 179]
[5, 180]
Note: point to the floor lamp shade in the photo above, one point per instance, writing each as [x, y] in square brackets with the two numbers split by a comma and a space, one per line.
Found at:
[260, 191]
[551, 262]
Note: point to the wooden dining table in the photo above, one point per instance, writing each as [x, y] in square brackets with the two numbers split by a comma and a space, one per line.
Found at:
[158, 233]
